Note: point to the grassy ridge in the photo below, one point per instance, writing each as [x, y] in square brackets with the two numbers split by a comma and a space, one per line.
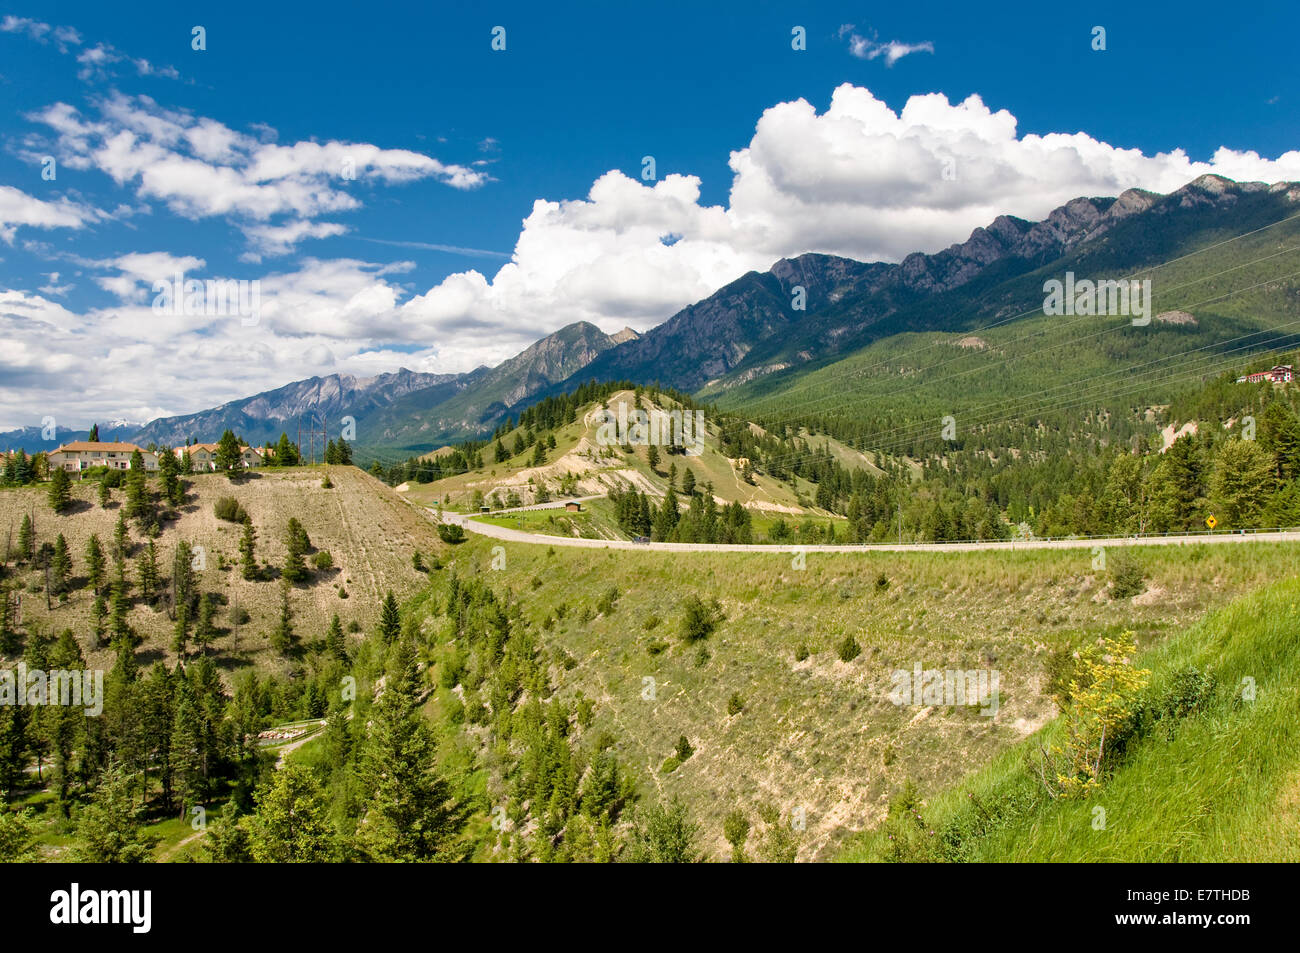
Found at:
[1219, 785]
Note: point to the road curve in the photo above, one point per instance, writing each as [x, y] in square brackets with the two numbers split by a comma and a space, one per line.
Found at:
[518, 536]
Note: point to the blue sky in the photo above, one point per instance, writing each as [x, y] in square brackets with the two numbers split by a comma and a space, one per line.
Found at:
[214, 159]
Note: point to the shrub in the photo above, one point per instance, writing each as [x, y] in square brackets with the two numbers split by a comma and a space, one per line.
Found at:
[735, 828]
[700, 618]
[1127, 578]
[1099, 717]
[849, 649]
[735, 704]
[801, 652]
[227, 508]
[607, 601]
[451, 533]
[323, 560]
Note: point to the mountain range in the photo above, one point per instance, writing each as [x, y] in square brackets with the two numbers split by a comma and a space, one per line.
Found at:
[750, 332]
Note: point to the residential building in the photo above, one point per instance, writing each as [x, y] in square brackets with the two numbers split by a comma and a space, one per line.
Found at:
[82, 455]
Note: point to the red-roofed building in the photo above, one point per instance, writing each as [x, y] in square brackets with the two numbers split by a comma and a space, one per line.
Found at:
[1281, 374]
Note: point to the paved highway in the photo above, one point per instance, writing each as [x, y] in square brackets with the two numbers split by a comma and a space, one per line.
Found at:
[518, 536]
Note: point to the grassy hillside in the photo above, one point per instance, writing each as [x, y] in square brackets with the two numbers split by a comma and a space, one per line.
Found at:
[1213, 780]
[368, 530]
[596, 469]
[813, 731]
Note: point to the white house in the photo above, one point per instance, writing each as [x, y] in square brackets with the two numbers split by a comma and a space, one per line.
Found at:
[84, 454]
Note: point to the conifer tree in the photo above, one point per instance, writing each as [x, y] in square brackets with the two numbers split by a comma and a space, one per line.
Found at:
[27, 539]
[109, 827]
[204, 632]
[247, 554]
[60, 490]
[60, 568]
[149, 579]
[390, 620]
[335, 643]
[229, 455]
[291, 823]
[283, 638]
[409, 816]
[121, 539]
[95, 563]
[295, 567]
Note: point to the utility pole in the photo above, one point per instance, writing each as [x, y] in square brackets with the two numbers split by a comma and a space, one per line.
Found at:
[900, 522]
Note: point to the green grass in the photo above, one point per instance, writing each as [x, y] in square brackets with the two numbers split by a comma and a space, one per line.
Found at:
[1220, 786]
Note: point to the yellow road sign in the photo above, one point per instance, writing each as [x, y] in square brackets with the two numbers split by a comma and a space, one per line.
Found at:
[1211, 522]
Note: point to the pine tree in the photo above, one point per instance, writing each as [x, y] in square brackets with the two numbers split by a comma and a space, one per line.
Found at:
[390, 620]
[184, 584]
[188, 745]
[98, 615]
[105, 495]
[1279, 435]
[15, 723]
[60, 568]
[119, 606]
[108, 828]
[121, 540]
[652, 457]
[181, 630]
[247, 554]
[26, 539]
[229, 456]
[149, 579]
[283, 638]
[169, 469]
[204, 632]
[93, 436]
[409, 815]
[95, 563]
[65, 724]
[295, 541]
[688, 483]
[155, 696]
[137, 491]
[60, 490]
[286, 453]
[1241, 482]
[291, 823]
[335, 643]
